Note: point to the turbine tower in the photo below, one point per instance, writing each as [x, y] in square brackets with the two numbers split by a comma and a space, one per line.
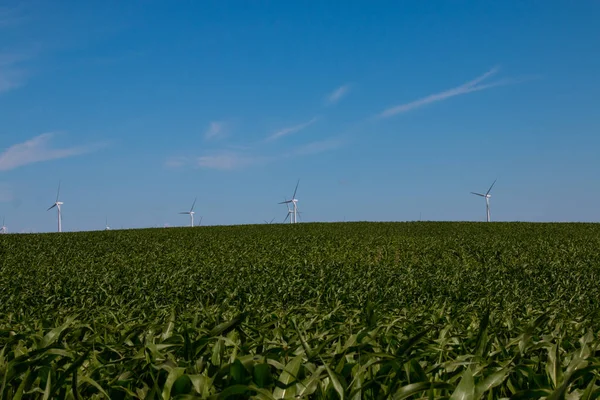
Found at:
[57, 204]
[107, 228]
[487, 196]
[293, 212]
[3, 228]
[290, 213]
[191, 212]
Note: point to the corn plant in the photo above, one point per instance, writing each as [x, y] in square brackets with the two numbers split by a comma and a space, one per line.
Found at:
[339, 311]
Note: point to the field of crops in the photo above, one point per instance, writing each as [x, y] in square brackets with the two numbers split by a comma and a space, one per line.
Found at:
[353, 310]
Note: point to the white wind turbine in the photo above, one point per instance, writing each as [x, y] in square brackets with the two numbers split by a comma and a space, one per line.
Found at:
[487, 196]
[57, 204]
[191, 213]
[293, 212]
[107, 228]
[290, 213]
[3, 229]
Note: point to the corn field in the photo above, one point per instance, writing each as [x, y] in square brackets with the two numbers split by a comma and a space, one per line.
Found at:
[317, 311]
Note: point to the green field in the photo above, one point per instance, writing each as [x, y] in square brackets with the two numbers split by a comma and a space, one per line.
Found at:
[353, 310]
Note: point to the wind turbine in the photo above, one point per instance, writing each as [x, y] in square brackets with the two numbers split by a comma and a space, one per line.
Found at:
[3, 228]
[191, 212]
[107, 228]
[57, 204]
[487, 196]
[290, 213]
[294, 202]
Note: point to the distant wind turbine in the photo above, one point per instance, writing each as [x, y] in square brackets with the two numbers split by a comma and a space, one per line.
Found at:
[290, 213]
[293, 212]
[3, 229]
[487, 196]
[107, 228]
[191, 213]
[58, 204]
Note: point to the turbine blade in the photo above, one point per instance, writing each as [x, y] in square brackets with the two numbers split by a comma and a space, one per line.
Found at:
[54, 205]
[295, 190]
[286, 217]
[478, 194]
[58, 192]
[488, 192]
[184, 212]
[192, 209]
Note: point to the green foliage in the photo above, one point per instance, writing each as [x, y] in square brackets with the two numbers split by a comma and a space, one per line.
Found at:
[325, 311]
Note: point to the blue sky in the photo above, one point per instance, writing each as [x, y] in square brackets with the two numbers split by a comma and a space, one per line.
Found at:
[384, 110]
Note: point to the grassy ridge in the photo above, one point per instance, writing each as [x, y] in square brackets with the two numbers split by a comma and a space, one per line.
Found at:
[367, 310]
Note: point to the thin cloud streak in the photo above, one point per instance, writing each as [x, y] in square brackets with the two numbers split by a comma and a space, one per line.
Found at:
[338, 94]
[176, 162]
[10, 17]
[317, 147]
[10, 80]
[215, 129]
[228, 161]
[291, 129]
[11, 75]
[468, 87]
[224, 160]
[38, 150]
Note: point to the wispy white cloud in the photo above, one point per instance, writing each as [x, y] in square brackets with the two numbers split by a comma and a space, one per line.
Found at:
[219, 160]
[469, 87]
[176, 162]
[233, 160]
[292, 129]
[12, 74]
[10, 80]
[10, 17]
[338, 94]
[37, 150]
[317, 147]
[237, 156]
[215, 129]
[229, 160]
